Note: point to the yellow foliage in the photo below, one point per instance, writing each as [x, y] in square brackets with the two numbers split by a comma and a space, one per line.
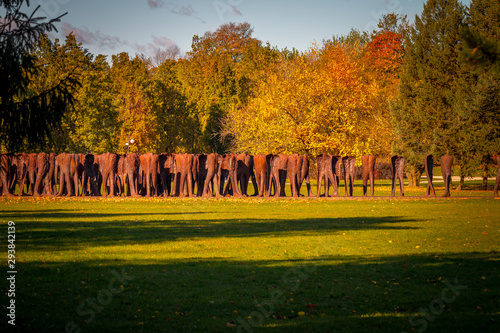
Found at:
[319, 102]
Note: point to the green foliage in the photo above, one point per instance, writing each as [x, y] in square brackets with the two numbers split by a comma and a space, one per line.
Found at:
[97, 124]
[482, 35]
[178, 126]
[478, 135]
[355, 37]
[221, 70]
[89, 126]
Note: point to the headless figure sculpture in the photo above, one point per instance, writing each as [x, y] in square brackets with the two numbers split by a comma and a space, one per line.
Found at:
[446, 162]
[429, 165]
[369, 173]
[398, 163]
[348, 162]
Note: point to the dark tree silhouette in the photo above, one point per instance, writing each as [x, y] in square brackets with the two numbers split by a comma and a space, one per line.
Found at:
[27, 117]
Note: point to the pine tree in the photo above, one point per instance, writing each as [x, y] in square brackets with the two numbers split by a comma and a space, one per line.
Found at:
[479, 105]
[27, 116]
[423, 115]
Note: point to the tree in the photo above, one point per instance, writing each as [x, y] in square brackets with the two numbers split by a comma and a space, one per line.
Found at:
[131, 79]
[90, 124]
[395, 23]
[320, 101]
[96, 117]
[221, 70]
[478, 108]
[423, 115]
[482, 34]
[26, 117]
[383, 57]
[177, 122]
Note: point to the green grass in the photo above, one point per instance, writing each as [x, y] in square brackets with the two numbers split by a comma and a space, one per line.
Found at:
[282, 265]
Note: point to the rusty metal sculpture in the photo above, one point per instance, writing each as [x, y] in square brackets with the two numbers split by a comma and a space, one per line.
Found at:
[398, 163]
[446, 163]
[368, 173]
[429, 165]
[348, 162]
[5, 173]
[304, 175]
[325, 173]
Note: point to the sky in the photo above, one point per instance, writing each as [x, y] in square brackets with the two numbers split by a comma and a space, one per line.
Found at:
[144, 26]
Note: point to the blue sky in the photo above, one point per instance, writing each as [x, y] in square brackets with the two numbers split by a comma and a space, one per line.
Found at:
[143, 26]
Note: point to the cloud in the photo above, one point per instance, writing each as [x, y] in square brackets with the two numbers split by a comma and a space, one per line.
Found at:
[163, 42]
[184, 11]
[153, 4]
[236, 11]
[8, 25]
[102, 41]
[85, 36]
[158, 44]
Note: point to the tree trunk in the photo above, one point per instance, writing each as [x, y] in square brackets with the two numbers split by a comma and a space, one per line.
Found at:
[462, 183]
[485, 176]
[413, 174]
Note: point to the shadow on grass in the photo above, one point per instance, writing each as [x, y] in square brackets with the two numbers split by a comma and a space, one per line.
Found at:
[128, 229]
[70, 214]
[425, 292]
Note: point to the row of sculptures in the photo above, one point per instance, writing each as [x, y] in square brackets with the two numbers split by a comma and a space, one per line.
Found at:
[204, 175]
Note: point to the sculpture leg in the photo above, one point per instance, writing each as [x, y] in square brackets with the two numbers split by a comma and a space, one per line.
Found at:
[335, 186]
[365, 184]
[447, 181]
[372, 184]
[393, 188]
[401, 186]
[351, 184]
[320, 179]
[429, 164]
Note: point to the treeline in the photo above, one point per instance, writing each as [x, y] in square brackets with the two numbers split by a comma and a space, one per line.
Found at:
[230, 93]
[431, 87]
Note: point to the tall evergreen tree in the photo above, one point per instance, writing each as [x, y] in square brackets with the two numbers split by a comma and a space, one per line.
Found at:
[482, 35]
[27, 116]
[423, 115]
[479, 105]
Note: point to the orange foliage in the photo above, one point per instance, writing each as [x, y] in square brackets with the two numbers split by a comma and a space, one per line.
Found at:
[330, 99]
[384, 54]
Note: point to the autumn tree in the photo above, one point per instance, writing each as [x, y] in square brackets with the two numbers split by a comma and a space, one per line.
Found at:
[136, 121]
[331, 99]
[219, 71]
[27, 116]
[383, 57]
[319, 101]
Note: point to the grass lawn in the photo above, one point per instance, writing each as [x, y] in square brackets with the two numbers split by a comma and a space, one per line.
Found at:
[257, 265]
